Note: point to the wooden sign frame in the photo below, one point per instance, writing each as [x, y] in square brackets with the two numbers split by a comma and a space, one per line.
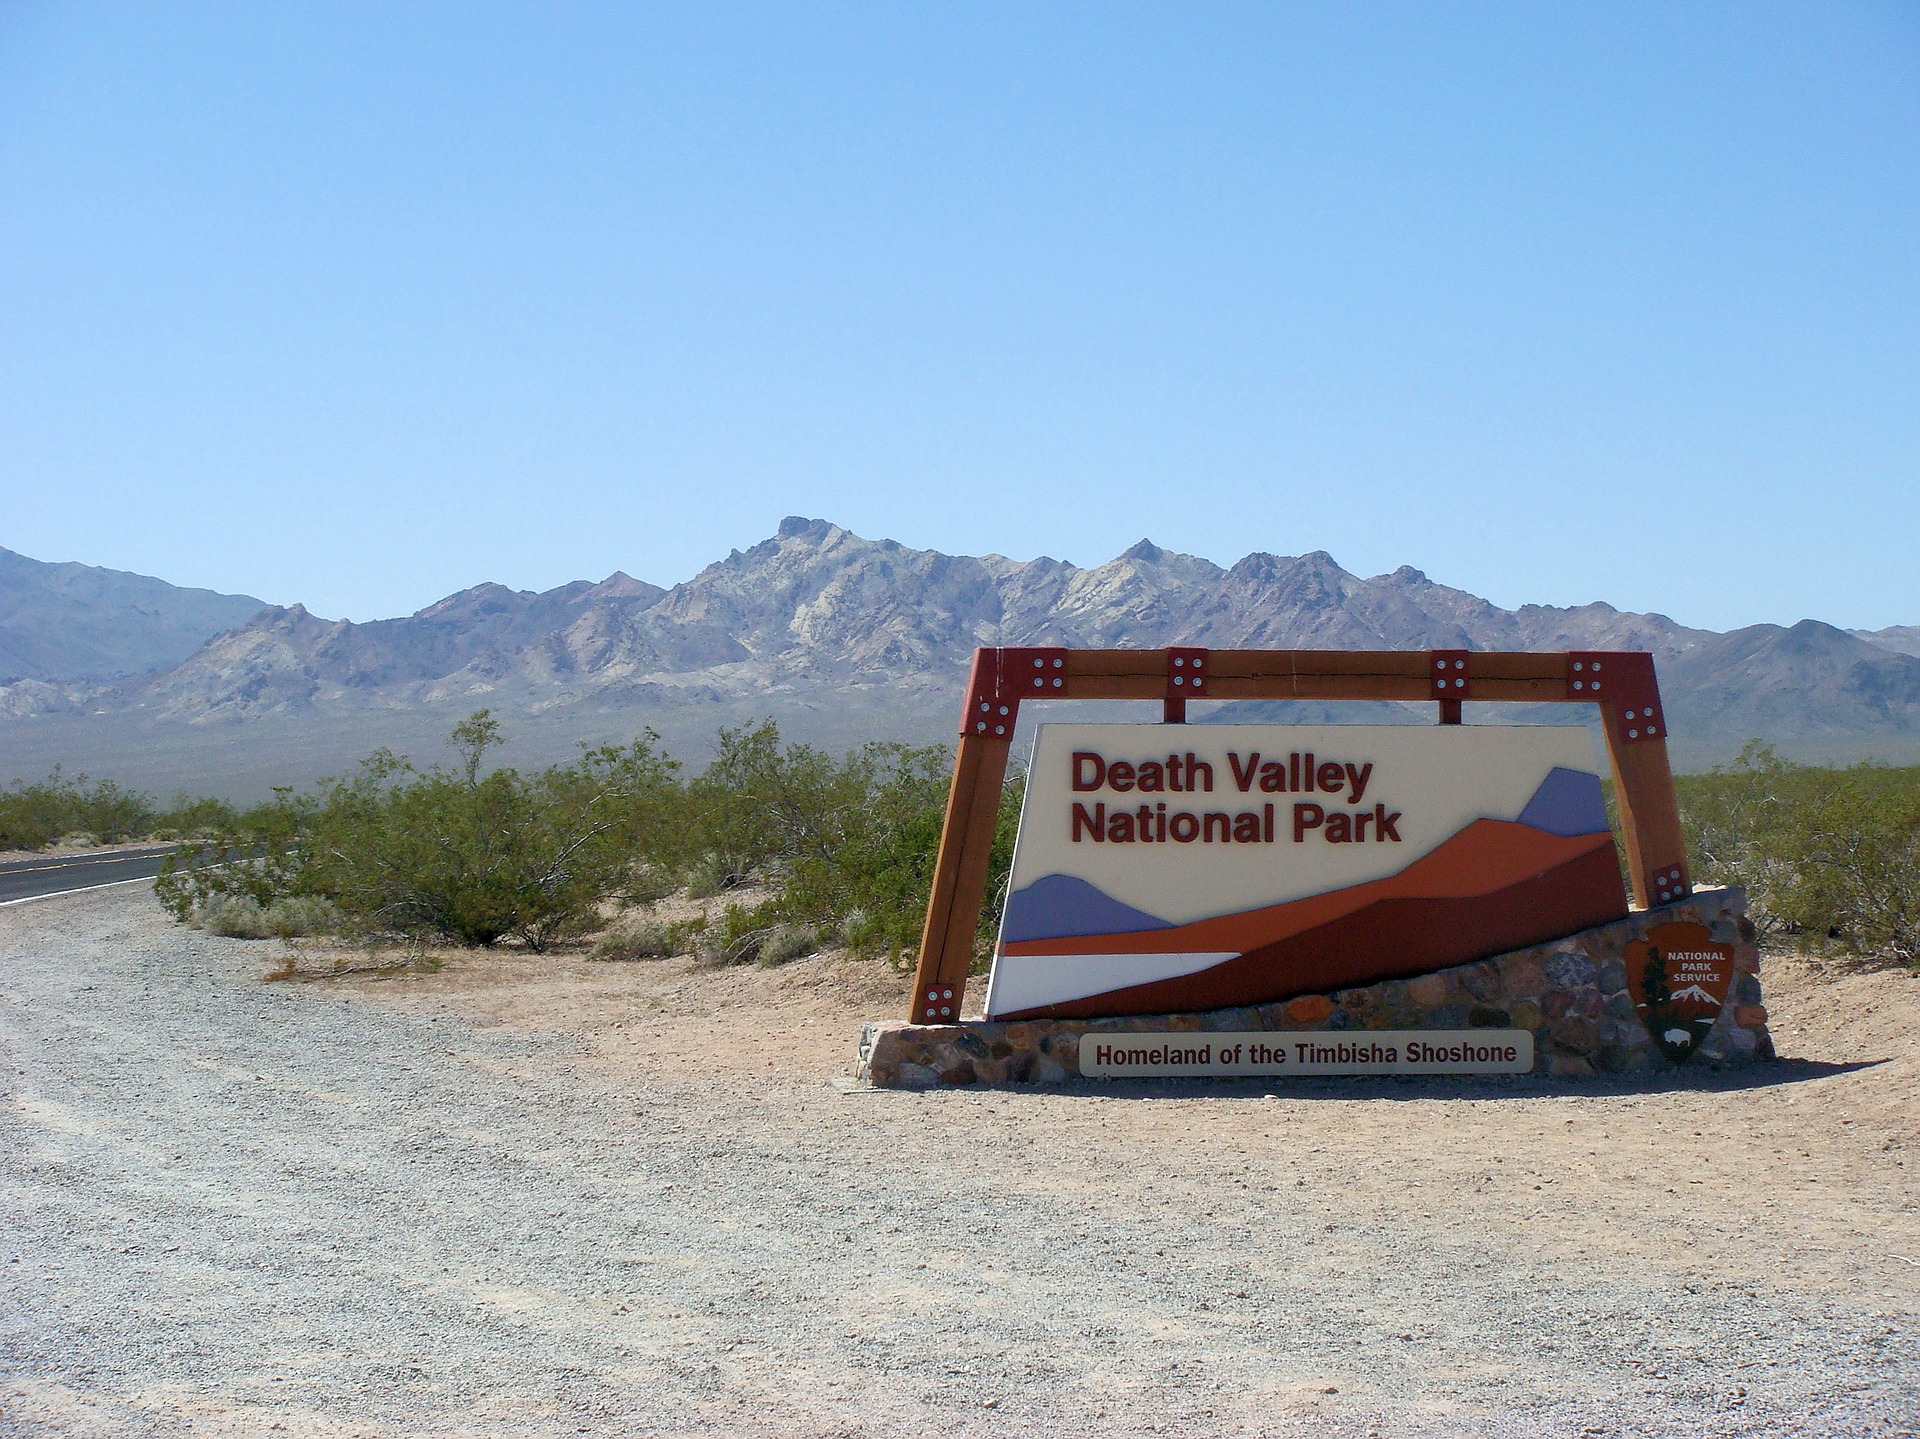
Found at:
[1621, 682]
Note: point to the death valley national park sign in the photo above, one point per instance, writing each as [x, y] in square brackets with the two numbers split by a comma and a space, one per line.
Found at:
[1163, 868]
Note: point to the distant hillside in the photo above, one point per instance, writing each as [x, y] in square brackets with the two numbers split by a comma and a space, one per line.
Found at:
[1808, 682]
[845, 638]
[77, 624]
[1903, 638]
[816, 606]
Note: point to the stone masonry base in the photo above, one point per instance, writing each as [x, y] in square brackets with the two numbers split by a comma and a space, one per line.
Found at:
[1572, 993]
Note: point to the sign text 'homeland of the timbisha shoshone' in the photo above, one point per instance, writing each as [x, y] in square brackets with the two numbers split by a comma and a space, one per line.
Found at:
[1378, 1051]
[1163, 869]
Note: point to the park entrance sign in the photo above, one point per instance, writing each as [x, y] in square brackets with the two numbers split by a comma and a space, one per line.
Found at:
[1228, 899]
[1619, 684]
[1243, 864]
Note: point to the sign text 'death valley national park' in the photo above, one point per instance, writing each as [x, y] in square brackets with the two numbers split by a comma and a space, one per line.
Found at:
[1164, 869]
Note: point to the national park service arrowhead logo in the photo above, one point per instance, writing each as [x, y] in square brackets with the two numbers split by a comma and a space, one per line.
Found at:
[1679, 979]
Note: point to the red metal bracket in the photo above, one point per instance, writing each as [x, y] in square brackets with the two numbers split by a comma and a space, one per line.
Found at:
[1032, 673]
[1449, 681]
[1447, 674]
[1186, 673]
[1624, 681]
[980, 713]
[1001, 678]
[936, 1002]
[1671, 883]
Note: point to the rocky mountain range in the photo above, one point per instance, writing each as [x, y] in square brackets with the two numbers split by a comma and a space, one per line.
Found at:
[851, 637]
[71, 624]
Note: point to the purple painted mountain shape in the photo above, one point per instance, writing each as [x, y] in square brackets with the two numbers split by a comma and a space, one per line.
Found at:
[1568, 802]
[1057, 905]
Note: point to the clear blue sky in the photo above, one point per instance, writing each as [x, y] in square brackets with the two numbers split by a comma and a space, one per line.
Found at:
[360, 304]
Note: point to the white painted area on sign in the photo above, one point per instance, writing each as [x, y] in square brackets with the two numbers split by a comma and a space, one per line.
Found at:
[1270, 1053]
[1029, 981]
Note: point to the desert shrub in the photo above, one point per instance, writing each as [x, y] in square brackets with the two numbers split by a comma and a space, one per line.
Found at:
[74, 809]
[787, 942]
[460, 853]
[712, 874]
[636, 937]
[648, 884]
[735, 938]
[839, 847]
[188, 817]
[33, 816]
[847, 844]
[1828, 855]
[256, 855]
[749, 936]
[291, 917]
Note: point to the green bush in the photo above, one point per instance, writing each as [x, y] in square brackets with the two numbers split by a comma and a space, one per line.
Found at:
[33, 816]
[847, 845]
[458, 854]
[839, 847]
[1827, 855]
[78, 810]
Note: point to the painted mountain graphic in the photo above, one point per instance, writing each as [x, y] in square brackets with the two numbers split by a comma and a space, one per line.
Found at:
[1568, 802]
[1696, 993]
[1060, 905]
[1494, 886]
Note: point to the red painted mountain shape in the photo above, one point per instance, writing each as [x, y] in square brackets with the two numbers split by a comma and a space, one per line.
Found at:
[1496, 885]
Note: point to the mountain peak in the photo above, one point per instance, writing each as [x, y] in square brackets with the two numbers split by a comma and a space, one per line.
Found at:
[795, 527]
[1146, 550]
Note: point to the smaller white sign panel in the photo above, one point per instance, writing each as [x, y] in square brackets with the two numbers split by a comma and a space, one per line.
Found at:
[1268, 1052]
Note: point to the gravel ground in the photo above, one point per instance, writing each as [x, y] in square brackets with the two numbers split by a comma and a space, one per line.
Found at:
[531, 1197]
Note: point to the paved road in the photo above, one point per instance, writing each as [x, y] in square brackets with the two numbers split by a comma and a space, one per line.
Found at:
[56, 874]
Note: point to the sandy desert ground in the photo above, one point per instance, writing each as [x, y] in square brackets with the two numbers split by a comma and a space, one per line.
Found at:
[538, 1196]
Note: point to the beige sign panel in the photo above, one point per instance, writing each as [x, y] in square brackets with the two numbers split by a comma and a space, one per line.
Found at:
[1162, 870]
[1263, 1052]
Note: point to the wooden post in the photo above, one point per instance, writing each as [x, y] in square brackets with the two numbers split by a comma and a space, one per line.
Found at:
[959, 878]
[1649, 814]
